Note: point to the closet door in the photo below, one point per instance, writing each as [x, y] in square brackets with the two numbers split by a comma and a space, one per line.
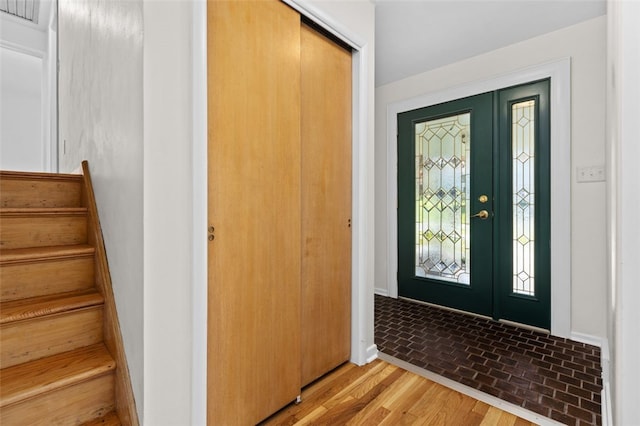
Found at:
[254, 210]
[326, 204]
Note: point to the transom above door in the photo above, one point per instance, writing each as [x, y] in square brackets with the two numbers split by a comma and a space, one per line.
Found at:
[473, 204]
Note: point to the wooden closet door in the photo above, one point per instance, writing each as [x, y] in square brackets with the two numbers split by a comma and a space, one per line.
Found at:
[326, 204]
[254, 207]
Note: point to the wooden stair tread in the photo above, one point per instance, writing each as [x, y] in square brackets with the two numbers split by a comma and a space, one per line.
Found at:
[45, 253]
[42, 211]
[62, 360]
[33, 378]
[109, 419]
[22, 309]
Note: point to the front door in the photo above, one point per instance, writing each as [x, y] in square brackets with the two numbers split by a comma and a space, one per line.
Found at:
[473, 204]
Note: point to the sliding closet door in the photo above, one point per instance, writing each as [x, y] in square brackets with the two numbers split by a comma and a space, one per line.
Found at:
[254, 210]
[326, 204]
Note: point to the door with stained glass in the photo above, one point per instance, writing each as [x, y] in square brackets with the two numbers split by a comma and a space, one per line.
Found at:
[473, 204]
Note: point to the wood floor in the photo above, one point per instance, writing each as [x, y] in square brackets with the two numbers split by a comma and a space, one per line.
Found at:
[382, 394]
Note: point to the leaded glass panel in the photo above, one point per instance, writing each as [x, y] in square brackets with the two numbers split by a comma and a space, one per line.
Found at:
[442, 198]
[523, 156]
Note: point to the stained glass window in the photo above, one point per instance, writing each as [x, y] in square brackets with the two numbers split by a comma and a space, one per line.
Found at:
[442, 198]
[523, 156]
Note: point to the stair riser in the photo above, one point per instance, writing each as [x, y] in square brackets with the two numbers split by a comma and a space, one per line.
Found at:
[36, 338]
[69, 406]
[34, 192]
[111, 419]
[39, 231]
[42, 278]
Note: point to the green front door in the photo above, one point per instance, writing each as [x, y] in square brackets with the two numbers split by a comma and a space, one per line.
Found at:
[473, 204]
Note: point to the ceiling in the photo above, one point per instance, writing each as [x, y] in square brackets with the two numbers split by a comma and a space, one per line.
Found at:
[416, 36]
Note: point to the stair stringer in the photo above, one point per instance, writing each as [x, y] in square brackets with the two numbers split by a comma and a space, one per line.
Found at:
[124, 397]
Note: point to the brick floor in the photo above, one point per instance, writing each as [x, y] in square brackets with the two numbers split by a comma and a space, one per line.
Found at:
[554, 377]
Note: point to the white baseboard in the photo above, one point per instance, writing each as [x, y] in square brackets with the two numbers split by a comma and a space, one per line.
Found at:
[603, 344]
[372, 353]
[587, 339]
[381, 292]
[607, 416]
[607, 408]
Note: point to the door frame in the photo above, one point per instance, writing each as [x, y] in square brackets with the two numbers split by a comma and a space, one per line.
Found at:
[560, 102]
[18, 40]
[363, 348]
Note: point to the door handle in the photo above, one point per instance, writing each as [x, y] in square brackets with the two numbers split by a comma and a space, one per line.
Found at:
[482, 214]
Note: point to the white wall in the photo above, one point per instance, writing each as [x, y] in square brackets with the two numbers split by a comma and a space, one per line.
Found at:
[623, 154]
[168, 206]
[585, 44]
[21, 139]
[100, 103]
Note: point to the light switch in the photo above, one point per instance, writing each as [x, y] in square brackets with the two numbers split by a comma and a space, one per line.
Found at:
[591, 174]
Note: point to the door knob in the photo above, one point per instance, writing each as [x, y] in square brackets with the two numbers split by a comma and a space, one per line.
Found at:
[482, 214]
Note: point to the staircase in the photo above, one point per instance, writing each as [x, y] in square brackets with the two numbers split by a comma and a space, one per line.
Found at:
[61, 355]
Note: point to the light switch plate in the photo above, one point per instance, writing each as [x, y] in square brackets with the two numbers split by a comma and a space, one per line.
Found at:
[591, 174]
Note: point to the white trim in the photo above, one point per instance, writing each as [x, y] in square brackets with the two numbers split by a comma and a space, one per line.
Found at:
[372, 353]
[52, 87]
[587, 339]
[471, 392]
[50, 93]
[21, 49]
[381, 292]
[605, 397]
[39, 41]
[199, 187]
[560, 73]
[361, 300]
[623, 195]
[328, 23]
[603, 344]
[607, 414]
[46, 102]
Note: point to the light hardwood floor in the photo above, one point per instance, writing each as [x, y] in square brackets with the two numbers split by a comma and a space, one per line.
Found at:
[382, 394]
